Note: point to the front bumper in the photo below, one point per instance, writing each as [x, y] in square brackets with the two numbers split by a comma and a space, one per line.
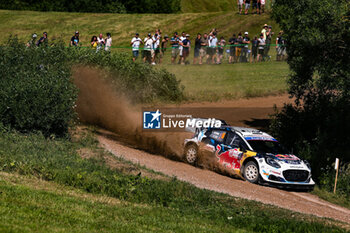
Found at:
[287, 176]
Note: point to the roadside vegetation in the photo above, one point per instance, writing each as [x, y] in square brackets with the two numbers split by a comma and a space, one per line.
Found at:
[83, 192]
[317, 125]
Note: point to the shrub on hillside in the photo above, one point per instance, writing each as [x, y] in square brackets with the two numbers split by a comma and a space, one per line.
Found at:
[139, 82]
[36, 92]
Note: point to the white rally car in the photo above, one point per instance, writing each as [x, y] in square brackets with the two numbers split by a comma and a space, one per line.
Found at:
[251, 153]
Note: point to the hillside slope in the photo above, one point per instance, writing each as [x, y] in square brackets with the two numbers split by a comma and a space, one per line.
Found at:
[123, 26]
[207, 5]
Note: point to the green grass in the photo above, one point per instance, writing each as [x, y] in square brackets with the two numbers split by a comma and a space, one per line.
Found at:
[231, 81]
[88, 194]
[123, 26]
[337, 198]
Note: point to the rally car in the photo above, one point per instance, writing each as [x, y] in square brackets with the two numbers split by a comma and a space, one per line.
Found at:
[252, 154]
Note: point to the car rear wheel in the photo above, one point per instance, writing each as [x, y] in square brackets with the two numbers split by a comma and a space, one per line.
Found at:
[251, 172]
[191, 154]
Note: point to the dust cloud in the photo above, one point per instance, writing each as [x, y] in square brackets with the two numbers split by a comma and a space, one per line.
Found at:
[99, 103]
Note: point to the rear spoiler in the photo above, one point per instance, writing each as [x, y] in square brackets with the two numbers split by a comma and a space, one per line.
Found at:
[195, 120]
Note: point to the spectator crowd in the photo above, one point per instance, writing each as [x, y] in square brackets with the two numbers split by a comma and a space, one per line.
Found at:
[208, 48]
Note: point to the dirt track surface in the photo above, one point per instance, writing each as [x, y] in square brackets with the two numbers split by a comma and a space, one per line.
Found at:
[296, 201]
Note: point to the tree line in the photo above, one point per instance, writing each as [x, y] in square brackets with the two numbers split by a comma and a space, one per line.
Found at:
[96, 6]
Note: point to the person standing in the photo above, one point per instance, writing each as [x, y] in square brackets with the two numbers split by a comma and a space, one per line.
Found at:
[213, 42]
[259, 7]
[175, 47]
[197, 48]
[221, 47]
[186, 45]
[239, 46]
[264, 31]
[148, 48]
[204, 48]
[255, 6]
[280, 47]
[163, 46]
[262, 2]
[232, 42]
[246, 42]
[108, 41]
[94, 42]
[182, 37]
[240, 6]
[254, 49]
[268, 40]
[135, 44]
[155, 48]
[247, 6]
[74, 41]
[100, 42]
[261, 47]
[43, 40]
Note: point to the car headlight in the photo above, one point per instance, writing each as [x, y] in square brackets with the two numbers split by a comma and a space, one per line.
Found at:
[307, 164]
[270, 161]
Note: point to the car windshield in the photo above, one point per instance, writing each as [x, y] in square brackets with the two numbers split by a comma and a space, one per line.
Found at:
[264, 146]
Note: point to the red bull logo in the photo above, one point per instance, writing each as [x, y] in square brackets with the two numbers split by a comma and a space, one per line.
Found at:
[230, 158]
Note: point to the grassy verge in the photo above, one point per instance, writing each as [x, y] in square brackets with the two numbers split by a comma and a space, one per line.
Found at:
[144, 203]
[337, 199]
[231, 81]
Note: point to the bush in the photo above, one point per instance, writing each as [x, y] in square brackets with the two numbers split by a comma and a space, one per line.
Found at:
[36, 92]
[343, 184]
[138, 81]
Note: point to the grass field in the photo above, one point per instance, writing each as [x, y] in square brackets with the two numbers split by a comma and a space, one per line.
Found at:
[60, 185]
[231, 81]
[123, 26]
[209, 83]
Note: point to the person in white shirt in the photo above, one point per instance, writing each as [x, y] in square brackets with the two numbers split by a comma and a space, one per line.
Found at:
[108, 42]
[135, 43]
[240, 6]
[262, 6]
[100, 42]
[213, 42]
[261, 47]
[155, 47]
[182, 37]
[148, 48]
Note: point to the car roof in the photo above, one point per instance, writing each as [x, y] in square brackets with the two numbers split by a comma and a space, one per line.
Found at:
[252, 134]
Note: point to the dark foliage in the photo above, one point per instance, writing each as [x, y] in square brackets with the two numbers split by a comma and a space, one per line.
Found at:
[317, 125]
[36, 92]
[99, 6]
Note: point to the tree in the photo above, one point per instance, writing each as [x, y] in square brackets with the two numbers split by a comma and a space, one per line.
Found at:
[318, 37]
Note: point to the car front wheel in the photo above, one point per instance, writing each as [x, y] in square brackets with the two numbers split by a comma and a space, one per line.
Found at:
[191, 154]
[251, 172]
